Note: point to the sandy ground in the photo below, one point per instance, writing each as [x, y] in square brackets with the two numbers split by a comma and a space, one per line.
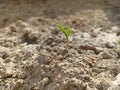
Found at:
[32, 49]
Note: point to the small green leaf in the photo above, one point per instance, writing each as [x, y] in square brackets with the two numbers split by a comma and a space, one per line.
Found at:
[119, 42]
[62, 29]
[68, 32]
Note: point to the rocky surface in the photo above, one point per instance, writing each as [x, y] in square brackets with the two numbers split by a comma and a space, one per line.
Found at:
[32, 49]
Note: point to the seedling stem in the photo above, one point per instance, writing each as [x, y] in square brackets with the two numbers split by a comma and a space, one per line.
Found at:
[66, 33]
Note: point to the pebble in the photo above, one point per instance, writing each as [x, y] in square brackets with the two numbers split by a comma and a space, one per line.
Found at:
[86, 35]
[2, 70]
[117, 81]
[105, 55]
[99, 50]
[3, 52]
[93, 35]
[116, 29]
[97, 30]
[115, 84]
[42, 59]
[114, 87]
[13, 28]
[118, 33]
[44, 81]
[62, 51]
[70, 39]
[21, 24]
[18, 84]
[110, 45]
[49, 41]
[48, 49]
[7, 60]
[118, 54]
[51, 86]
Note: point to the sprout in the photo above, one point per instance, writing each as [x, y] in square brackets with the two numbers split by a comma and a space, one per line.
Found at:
[65, 32]
[118, 41]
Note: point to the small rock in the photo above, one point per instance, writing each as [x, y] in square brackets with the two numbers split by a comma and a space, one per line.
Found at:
[98, 50]
[118, 33]
[115, 84]
[7, 60]
[97, 30]
[60, 57]
[49, 41]
[62, 51]
[105, 55]
[74, 84]
[89, 88]
[18, 84]
[70, 39]
[34, 22]
[72, 51]
[118, 54]
[21, 24]
[3, 52]
[114, 87]
[117, 81]
[3, 55]
[110, 45]
[86, 35]
[51, 86]
[30, 37]
[86, 77]
[44, 81]
[2, 70]
[26, 30]
[116, 29]
[33, 36]
[8, 73]
[102, 85]
[13, 28]
[93, 35]
[42, 59]
[55, 32]
[48, 49]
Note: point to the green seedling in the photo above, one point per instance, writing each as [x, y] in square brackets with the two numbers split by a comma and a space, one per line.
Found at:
[66, 33]
[119, 42]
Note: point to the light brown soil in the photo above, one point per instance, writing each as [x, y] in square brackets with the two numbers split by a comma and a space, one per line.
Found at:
[32, 49]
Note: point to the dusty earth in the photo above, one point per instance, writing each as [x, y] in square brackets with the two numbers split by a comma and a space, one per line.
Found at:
[32, 49]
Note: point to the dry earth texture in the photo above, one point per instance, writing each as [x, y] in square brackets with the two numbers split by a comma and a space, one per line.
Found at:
[32, 49]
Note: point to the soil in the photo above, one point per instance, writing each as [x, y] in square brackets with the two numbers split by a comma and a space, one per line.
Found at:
[33, 54]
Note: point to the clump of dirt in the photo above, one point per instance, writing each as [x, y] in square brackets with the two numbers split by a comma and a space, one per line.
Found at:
[32, 49]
